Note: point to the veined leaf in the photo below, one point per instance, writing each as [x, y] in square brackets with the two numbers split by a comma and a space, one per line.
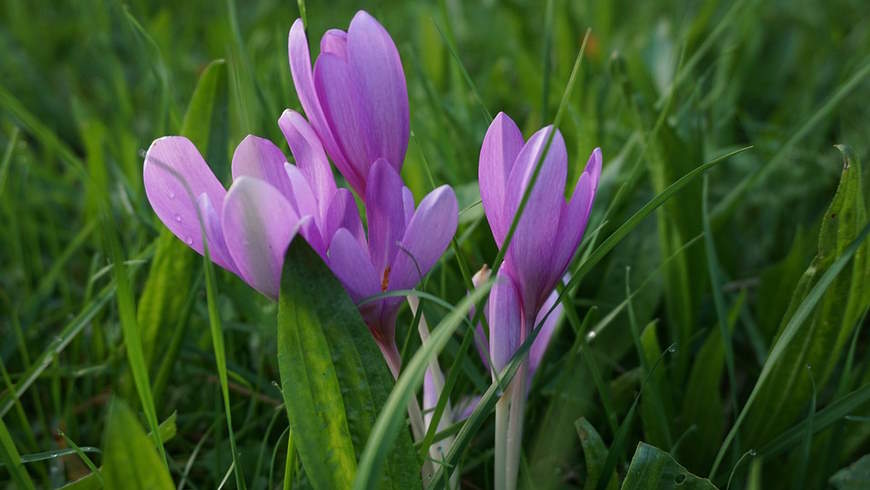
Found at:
[594, 452]
[130, 459]
[333, 377]
[653, 469]
[854, 477]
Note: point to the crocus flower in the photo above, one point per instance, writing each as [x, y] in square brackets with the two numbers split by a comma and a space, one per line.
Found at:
[403, 244]
[355, 97]
[547, 235]
[249, 227]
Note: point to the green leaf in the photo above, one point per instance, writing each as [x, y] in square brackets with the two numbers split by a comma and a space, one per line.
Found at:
[819, 340]
[594, 452]
[854, 477]
[12, 459]
[653, 469]
[333, 377]
[167, 430]
[130, 458]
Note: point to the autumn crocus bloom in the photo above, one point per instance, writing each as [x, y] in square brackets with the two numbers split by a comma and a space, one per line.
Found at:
[355, 97]
[403, 244]
[249, 227]
[543, 244]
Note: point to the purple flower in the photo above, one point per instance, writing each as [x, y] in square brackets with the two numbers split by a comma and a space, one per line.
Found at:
[547, 235]
[355, 97]
[403, 244]
[249, 227]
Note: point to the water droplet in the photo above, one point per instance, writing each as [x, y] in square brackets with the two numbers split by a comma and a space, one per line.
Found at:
[171, 195]
[591, 335]
[178, 218]
[188, 241]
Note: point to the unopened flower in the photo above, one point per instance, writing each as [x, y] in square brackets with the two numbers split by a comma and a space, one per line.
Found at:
[355, 97]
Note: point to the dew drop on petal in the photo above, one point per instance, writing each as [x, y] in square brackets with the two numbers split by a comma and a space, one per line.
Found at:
[178, 218]
[171, 195]
[188, 241]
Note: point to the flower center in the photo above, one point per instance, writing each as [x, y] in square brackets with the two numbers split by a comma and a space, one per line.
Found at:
[385, 281]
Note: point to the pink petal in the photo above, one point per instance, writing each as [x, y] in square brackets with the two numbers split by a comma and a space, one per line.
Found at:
[334, 41]
[542, 341]
[258, 225]
[574, 216]
[378, 72]
[428, 234]
[349, 117]
[343, 213]
[385, 216]
[303, 80]
[217, 247]
[349, 262]
[505, 320]
[501, 145]
[535, 235]
[175, 175]
[407, 204]
[309, 155]
[259, 158]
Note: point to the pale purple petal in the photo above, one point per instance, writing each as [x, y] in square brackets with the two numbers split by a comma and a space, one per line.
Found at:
[258, 225]
[175, 175]
[309, 155]
[301, 197]
[539, 346]
[343, 213]
[535, 235]
[428, 234]
[505, 320]
[349, 261]
[378, 72]
[259, 158]
[574, 217]
[385, 216]
[349, 117]
[334, 41]
[501, 145]
[463, 409]
[217, 247]
[408, 204]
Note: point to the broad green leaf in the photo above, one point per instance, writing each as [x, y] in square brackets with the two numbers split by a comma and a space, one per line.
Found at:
[12, 459]
[854, 477]
[161, 307]
[820, 340]
[653, 469]
[167, 429]
[334, 379]
[130, 459]
[594, 453]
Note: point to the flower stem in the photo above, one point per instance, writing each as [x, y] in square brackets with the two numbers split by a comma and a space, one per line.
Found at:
[515, 426]
[502, 407]
[394, 361]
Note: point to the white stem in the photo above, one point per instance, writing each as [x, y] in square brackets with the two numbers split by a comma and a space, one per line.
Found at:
[515, 426]
[502, 408]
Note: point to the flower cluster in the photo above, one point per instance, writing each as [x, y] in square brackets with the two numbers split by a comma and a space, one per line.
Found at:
[356, 116]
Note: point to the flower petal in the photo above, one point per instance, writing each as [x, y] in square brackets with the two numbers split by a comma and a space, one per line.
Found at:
[542, 341]
[349, 262]
[385, 216]
[175, 175]
[536, 232]
[427, 236]
[217, 247]
[407, 204]
[346, 112]
[505, 320]
[258, 225]
[574, 217]
[501, 145]
[309, 155]
[343, 213]
[334, 41]
[259, 158]
[378, 70]
[303, 80]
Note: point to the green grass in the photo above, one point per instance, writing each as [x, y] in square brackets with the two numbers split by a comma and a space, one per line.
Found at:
[721, 193]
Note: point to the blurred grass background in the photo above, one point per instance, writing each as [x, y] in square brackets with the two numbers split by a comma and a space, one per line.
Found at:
[86, 86]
